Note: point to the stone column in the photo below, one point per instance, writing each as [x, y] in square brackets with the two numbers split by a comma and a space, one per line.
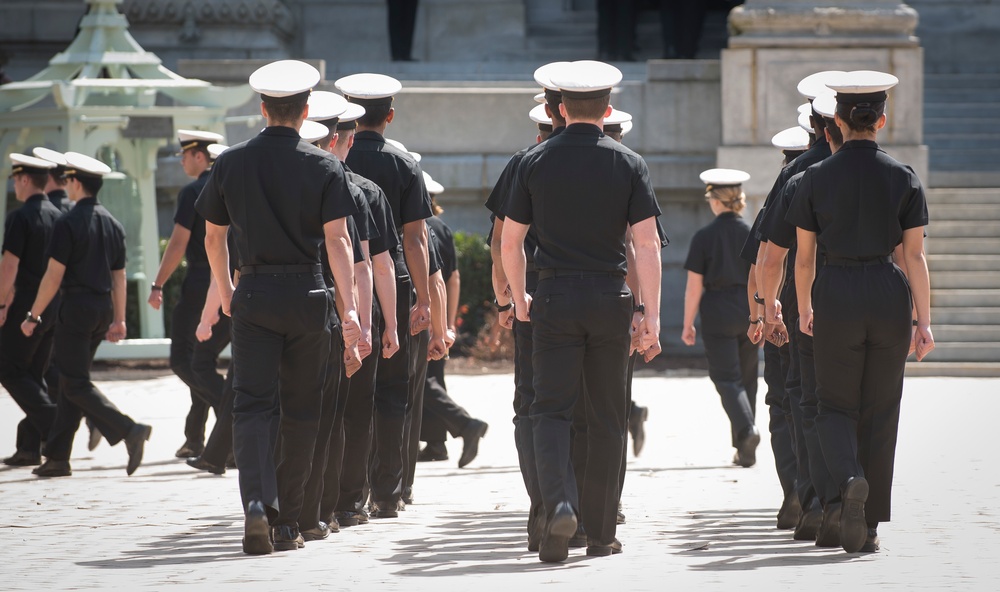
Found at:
[775, 43]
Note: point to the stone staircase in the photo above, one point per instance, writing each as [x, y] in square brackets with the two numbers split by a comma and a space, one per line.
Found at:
[962, 129]
[963, 249]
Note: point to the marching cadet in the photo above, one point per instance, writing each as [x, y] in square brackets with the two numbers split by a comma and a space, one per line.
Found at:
[398, 175]
[55, 185]
[581, 191]
[715, 290]
[550, 124]
[87, 259]
[441, 415]
[860, 308]
[24, 360]
[777, 269]
[187, 241]
[294, 202]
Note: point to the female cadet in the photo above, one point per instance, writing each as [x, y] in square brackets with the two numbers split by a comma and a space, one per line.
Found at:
[717, 287]
[858, 205]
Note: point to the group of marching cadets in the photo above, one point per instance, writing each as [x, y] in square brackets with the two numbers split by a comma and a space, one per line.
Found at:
[839, 290]
[576, 273]
[62, 292]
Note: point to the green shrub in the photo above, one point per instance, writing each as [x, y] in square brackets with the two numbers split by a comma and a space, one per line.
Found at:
[138, 291]
[476, 300]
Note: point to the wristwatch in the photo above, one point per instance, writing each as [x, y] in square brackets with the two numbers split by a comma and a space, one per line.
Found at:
[503, 307]
[33, 319]
[639, 308]
[756, 321]
[757, 298]
[156, 288]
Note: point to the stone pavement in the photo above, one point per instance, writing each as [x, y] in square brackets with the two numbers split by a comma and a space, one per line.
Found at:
[694, 521]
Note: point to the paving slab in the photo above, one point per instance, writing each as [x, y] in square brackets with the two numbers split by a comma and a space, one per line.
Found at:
[694, 521]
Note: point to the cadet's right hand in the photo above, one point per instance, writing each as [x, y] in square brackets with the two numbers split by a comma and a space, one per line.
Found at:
[806, 323]
[436, 348]
[651, 352]
[755, 332]
[226, 293]
[390, 343]
[155, 299]
[351, 330]
[365, 342]
[352, 361]
[506, 318]
[420, 318]
[925, 342]
[3, 316]
[688, 335]
[523, 309]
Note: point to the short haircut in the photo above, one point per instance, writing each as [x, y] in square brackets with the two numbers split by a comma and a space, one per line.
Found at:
[557, 117]
[58, 175]
[836, 136]
[286, 112]
[344, 136]
[91, 185]
[375, 114]
[200, 149]
[587, 109]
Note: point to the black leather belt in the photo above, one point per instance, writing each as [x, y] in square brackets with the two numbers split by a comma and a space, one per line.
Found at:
[857, 262]
[544, 274]
[248, 270]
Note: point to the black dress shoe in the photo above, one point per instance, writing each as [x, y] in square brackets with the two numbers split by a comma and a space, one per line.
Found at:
[23, 459]
[471, 435]
[579, 539]
[95, 436]
[746, 446]
[189, 450]
[595, 549]
[432, 452]
[287, 538]
[135, 443]
[316, 534]
[346, 519]
[536, 528]
[872, 544]
[559, 528]
[256, 532]
[384, 510]
[620, 518]
[230, 461]
[401, 505]
[53, 468]
[828, 534]
[637, 427]
[201, 464]
[853, 527]
[790, 513]
[808, 527]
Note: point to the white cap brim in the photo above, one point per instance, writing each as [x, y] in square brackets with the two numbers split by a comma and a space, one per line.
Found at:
[284, 78]
[724, 177]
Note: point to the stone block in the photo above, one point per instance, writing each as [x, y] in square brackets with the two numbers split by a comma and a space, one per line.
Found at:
[469, 30]
[678, 172]
[681, 116]
[762, 162]
[738, 83]
[330, 29]
[233, 71]
[906, 101]
[456, 171]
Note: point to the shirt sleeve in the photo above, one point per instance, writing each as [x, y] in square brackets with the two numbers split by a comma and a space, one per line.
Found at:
[352, 232]
[15, 236]
[800, 210]
[388, 240]
[518, 204]
[642, 203]
[337, 201]
[118, 260]
[913, 210]
[752, 245]
[778, 230]
[186, 214]
[497, 198]
[415, 202]
[61, 245]
[211, 204]
[433, 256]
[696, 258]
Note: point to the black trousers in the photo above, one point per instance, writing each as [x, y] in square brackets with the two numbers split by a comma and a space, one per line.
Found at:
[779, 412]
[24, 364]
[184, 322]
[414, 412]
[580, 334]
[615, 29]
[402, 21]
[281, 345]
[441, 414]
[524, 434]
[392, 394]
[315, 486]
[219, 445]
[862, 335]
[732, 358]
[823, 484]
[682, 22]
[83, 322]
[356, 442]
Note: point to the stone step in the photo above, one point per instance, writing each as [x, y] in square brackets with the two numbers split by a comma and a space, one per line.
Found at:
[960, 110]
[962, 263]
[943, 123]
[964, 298]
[948, 280]
[960, 93]
[962, 140]
[984, 81]
[966, 334]
[965, 211]
[984, 176]
[985, 351]
[964, 228]
[963, 369]
[960, 246]
[989, 315]
[958, 195]
[964, 159]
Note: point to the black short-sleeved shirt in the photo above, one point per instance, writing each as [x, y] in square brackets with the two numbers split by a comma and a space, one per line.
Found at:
[384, 236]
[91, 244]
[444, 242]
[60, 200]
[363, 218]
[715, 250]
[396, 172]
[858, 202]
[774, 228]
[187, 217]
[277, 191]
[581, 189]
[819, 151]
[27, 232]
[434, 261]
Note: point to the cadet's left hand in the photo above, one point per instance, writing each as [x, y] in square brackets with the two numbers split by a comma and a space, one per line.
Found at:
[806, 323]
[449, 337]
[352, 361]
[351, 329]
[436, 348]
[3, 316]
[651, 352]
[523, 309]
[420, 318]
[365, 342]
[27, 328]
[506, 318]
[688, 335]
[116, 332]
[390, 343]
[925, 342]
[649, 332]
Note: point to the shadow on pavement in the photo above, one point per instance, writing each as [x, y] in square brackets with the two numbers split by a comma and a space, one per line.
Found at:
[736, 540]
[203, 543]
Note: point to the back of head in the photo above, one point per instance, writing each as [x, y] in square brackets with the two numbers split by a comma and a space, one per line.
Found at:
[731, 196]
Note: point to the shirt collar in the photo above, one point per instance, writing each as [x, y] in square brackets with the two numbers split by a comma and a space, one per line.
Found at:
[36, 197]
[587, 129]
[279, 130]
[87, 201]
[871, 144]
[369, 135]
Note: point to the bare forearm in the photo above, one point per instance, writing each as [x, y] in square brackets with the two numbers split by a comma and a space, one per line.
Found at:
[212, 301]
[751, 290]
[172, 255]
[118, 296]
[499, 275]
[363, 281]
[384, 278]
[8, 273]
[514, 263]
[453, 287]
[692, 297]
[771, 272]
[438, 304]
[218, 257]
[415, 251]
[920, 286]
[805, 273]
[647, 262]
[341, 257]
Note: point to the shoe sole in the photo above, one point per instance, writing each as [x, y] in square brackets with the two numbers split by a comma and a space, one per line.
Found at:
[257, 536]
[310, 537]
[131, 468]
[830, 538]
[385, 514]
[853, 527]
[603, 551]
[748, 451]
[555, 546]
[348, 522]
[808, 527]
[474, 449]
[286, 546]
